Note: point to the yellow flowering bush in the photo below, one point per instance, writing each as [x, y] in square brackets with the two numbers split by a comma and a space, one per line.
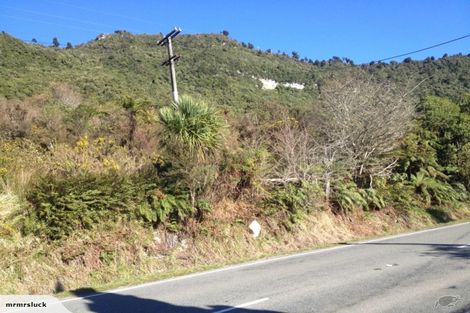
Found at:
[98, 156]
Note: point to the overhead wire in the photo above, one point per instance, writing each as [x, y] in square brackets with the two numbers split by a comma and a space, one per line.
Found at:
[146, 21]
[56, 16]
[105, 13]
[424, 49]
[51, 23]
[88, 29]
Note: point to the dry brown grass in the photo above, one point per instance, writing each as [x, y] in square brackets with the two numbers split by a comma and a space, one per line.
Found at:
[127, 253]
[66, 95]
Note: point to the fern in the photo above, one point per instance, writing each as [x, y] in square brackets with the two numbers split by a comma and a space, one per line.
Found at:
[348, 197]
[62, 205]
[373, 198]
[291, 201]
[434, 190]
[171, 208]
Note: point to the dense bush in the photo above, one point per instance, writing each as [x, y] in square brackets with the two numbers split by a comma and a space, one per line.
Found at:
[61, 206]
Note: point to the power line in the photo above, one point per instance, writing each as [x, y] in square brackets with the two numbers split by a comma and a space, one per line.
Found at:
[56, 16]
[104, 13]
[51, 23]
[427, 48]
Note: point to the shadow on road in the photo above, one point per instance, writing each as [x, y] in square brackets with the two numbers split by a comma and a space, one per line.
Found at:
[436, 249]
[454, 251]
[464, 309]
[118, 303]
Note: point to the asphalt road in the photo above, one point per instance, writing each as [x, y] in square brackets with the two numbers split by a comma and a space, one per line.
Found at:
[427, 271]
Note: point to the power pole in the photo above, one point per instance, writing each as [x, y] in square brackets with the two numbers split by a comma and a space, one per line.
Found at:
[171, 60]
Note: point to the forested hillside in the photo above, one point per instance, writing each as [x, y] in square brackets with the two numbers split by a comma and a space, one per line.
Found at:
[105, 181]
[213, 66]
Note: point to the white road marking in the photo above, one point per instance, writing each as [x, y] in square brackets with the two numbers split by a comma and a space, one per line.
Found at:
[244, 305]
[259, 262]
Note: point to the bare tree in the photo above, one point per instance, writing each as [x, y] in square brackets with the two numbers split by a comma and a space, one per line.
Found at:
[292, 150]
[360, 122]
[17, 117]
[351, 133]
[331, 159]
[66, 95]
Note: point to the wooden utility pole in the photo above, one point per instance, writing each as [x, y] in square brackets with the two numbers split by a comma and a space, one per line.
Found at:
[167, 40]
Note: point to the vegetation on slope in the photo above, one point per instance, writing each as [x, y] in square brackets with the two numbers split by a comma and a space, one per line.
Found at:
[90, 144]
[212, 66]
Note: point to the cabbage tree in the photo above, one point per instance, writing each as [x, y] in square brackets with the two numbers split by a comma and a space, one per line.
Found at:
[192, 135]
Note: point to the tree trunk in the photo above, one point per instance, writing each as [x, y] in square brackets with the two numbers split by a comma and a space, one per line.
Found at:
[192, 194]
[132, 126]
[327, 190]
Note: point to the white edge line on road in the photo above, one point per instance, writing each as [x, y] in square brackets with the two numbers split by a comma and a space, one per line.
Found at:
[258, 262]
[244, 305]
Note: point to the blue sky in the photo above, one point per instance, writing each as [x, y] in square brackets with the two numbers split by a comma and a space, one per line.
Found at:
[360, 30]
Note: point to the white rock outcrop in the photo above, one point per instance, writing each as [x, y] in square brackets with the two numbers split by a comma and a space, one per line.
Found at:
[268, 84]
[294, 85]
[271, 84]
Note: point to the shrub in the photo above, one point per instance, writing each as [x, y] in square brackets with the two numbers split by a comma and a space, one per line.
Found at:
[348, 197]
[435, 191]
[292, 200]
[61, 205]
[373, 198]
[244, 169]
[400, 194]
[16, 118]
[99, 156]
[162, 208]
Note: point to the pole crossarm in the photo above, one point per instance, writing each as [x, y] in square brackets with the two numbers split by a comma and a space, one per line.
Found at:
[173, 58]
[171, 34]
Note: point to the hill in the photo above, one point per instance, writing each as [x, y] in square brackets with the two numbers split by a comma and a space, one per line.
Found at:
[212, 66]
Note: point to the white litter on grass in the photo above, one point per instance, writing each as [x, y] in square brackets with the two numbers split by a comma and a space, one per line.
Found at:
[255, 228]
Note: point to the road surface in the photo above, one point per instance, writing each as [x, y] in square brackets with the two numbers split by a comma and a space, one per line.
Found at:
[427, 271]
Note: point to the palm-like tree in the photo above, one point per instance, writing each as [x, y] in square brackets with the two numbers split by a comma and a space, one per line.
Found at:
[192, 127]
[192, 133]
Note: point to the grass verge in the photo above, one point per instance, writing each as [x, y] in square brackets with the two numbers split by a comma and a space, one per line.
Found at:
[126, 254]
